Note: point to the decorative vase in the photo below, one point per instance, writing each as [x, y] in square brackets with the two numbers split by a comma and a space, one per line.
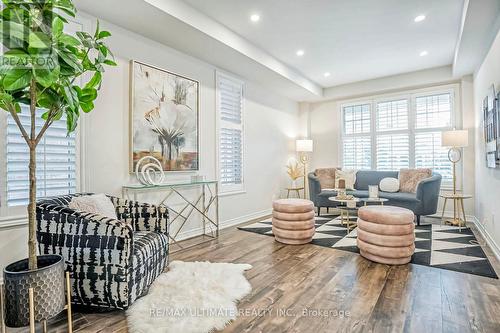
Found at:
[47, 282]
[294, 183]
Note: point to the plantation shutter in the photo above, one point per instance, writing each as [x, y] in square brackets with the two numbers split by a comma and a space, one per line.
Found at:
[392, 115]
[393, 152]
[56, 160]
[357, 152]
[430, 154]
[230, 95]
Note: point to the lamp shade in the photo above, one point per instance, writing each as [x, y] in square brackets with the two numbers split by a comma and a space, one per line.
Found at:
[455, 138]
[304, 145]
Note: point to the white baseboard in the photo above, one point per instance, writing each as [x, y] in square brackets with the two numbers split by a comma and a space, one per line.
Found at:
[489, 240]
[225, 224]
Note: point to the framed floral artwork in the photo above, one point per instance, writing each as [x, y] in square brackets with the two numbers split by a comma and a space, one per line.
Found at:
[164, 118]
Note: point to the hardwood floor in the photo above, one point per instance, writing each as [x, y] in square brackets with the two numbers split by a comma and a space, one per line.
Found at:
[309, 288]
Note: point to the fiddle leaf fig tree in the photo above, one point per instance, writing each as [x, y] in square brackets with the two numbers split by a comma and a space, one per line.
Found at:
[43, 68]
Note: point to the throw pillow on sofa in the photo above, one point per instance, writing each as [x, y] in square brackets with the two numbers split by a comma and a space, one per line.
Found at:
[349, 176]
[326, 177]
[95, 204]
[409, 179]
[389, 184]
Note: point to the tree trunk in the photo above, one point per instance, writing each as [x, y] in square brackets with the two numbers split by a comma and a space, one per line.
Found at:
[32, 210]
[32, 262]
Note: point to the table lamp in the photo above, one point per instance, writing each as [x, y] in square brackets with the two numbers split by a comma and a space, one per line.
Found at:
[303, 147]
[456, 140]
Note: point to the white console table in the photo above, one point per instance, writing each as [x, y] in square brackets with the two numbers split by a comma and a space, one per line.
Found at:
[205, 205]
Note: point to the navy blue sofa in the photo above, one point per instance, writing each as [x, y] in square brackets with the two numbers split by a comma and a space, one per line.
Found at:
[423, 202]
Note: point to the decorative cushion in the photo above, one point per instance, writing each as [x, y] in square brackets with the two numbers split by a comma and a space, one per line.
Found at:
[294, 216]
[387, 251]
[386, 240]
[294, 234]
[386, 229]
[389, 184]
[95, 204]
[383, 260]
[348, 175]
[293, 225]
[386, 214]
[326, 177]
[293, 205]
[409, 179]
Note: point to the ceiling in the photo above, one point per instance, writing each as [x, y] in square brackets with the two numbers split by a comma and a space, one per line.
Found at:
[362, 41]
[353, 40]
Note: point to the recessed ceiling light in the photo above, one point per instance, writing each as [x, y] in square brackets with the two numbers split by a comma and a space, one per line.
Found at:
[300, 53]
[327, 74]
[255, 17]
[419, 18]
[424, 53]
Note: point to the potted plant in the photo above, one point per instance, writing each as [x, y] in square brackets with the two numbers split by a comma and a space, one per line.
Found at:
[42, 68]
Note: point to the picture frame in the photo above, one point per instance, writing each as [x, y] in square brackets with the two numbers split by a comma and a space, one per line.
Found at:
[164, 118]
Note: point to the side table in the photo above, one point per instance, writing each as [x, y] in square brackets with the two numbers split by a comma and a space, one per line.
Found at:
[296, 190]
[458, 206]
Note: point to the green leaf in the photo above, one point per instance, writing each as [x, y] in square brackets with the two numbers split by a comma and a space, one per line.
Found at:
[57, 26]
[87, 95]
[70, 59]
[5, 101]
[66, 6]
[87, 106]
[17, 79]
[110, 62]
[39, 40]
[103, 34]
[95, 81]
[72, 120]
[71, 97]
[69, 40]
[46, 76]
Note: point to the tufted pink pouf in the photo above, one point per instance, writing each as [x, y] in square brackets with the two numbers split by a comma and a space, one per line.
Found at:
[293, 221]
[386, 234]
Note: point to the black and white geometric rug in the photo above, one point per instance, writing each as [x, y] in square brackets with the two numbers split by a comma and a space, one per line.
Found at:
[439, 246]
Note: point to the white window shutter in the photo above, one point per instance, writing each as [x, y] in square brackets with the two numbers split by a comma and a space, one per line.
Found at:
[357, 153]
[430, 154]
[392, 115]
[56, 160]
[393, 152]
[230, 103]
[433, 111]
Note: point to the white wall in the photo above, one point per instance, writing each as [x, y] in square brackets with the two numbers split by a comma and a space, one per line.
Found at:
[271, 124]
[325, 116]
[487, 180]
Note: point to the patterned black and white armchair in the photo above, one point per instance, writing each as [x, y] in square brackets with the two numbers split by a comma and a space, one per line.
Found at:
[111, 262]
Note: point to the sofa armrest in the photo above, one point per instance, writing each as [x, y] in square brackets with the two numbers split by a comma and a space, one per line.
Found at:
[142, 216]
[428, 194]
[314, 187]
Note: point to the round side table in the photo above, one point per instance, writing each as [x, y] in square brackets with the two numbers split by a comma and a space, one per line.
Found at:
[380, 201]
[345, 210]
[458, 206]
[294, 189]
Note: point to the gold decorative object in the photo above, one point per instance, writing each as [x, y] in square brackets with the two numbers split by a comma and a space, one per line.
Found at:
[294, 170]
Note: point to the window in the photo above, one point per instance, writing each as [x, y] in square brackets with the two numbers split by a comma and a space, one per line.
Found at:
[397, 133]
[56, 161]
[230, 108]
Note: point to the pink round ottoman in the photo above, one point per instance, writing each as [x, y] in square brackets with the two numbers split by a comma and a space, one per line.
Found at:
[293, 221]
[386, 234]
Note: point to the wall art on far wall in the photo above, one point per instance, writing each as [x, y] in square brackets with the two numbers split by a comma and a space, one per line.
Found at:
[491, 112]
[164, 118]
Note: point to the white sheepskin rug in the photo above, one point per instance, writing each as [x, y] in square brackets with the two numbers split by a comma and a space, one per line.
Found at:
[192, 297]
